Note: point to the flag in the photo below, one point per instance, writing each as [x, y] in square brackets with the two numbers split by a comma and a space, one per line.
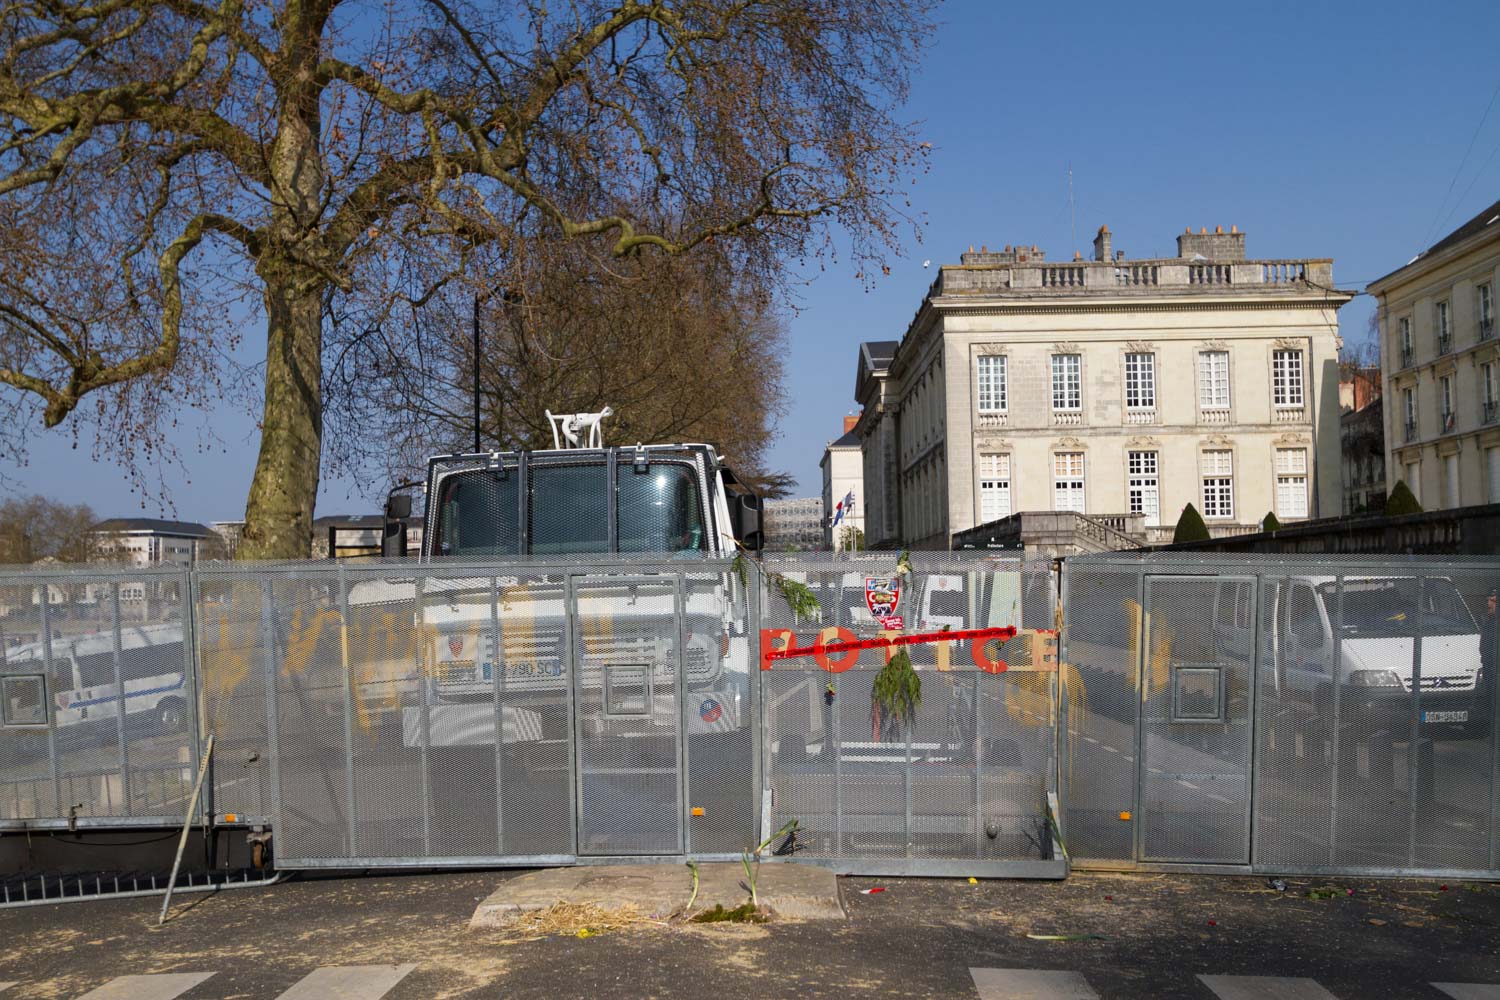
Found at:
[844, 506]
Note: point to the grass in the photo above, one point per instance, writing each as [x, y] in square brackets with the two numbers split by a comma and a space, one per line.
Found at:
[746, 913]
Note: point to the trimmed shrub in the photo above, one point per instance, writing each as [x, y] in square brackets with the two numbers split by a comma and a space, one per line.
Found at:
[1401, 501]
[1190, 526]
[1270, 522]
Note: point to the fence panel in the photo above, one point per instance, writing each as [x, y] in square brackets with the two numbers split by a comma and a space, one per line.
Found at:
[1374, 707]
[98, 695]
[962, 783]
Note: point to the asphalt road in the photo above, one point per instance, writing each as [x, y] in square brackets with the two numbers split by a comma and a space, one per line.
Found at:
[920, 938]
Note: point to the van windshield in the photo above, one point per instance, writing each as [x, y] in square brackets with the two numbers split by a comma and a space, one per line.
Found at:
[1388, 607]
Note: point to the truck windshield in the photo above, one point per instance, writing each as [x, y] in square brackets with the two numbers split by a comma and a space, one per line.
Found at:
[658, 510]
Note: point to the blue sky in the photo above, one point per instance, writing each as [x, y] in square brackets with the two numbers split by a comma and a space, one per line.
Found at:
[1319, 129]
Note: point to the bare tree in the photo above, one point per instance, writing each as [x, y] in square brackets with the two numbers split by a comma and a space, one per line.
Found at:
[681, 348]
[164, 158]
[36, 527]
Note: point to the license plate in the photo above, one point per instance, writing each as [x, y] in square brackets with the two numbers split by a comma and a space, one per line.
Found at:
[1459, 716]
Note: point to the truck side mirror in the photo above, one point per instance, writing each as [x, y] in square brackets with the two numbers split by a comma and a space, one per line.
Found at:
[744, 515]
[397, 507]
[393, 535]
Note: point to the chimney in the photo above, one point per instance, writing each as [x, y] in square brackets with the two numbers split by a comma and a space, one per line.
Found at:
[1217, 245]
[850, 421]
[1101, 244]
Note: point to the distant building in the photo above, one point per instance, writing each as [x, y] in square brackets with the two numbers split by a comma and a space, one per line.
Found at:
[843, 491]
[1112, 388]
[793, 524]
[1362, 441]
[1441, 361]
[144, 541]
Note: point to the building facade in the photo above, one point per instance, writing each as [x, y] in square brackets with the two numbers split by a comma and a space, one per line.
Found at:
[1362, 440]
[1107, 387]
[1441, 361]
[144, 541]
[793, 525]
[843, 491]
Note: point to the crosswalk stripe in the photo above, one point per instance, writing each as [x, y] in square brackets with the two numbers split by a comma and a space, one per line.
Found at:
[163, 986]
[1030, 984]
[1265, 988]
[1470, 991]
[349, 982]
[6, 986]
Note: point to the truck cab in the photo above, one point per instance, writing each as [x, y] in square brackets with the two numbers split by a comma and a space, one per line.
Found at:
[524, 640]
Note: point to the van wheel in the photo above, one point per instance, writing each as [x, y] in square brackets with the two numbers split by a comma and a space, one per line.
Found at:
[170, 717]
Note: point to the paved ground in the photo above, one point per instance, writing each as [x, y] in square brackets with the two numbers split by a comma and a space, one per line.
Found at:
[920, 938]
[800, 892]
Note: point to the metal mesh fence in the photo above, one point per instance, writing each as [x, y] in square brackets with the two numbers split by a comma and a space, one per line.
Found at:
[1296, 714]
[1284, 714]
[965, 779]
[98, 697]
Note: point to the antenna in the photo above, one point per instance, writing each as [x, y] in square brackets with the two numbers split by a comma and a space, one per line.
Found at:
[1072, 210]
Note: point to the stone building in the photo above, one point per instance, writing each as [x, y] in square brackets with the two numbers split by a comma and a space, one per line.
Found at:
[843, 490]
[1108, 387]
[1442, 367]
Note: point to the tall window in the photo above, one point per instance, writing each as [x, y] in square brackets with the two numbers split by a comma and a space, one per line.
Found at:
[1218, 483]
[1414, 479]
[1213, 380]
[1450, 480]
[1291, 482]
[992, 388]
[1140, 381]
[1404, 323]
[1144, 491]
[1445, 384]
[1487, 390]
[1067, 481]
[1486, 311]
[1444, 330]
[1286, 379]
[1409, 413]
[1067, 382]
[1492, 463]
[994, 487]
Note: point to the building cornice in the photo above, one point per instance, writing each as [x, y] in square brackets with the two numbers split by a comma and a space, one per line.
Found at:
[961, 307]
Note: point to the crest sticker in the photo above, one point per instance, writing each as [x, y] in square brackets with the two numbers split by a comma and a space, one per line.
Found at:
[882, 594]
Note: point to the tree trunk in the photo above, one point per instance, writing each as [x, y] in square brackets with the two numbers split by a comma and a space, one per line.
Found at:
[279, 512]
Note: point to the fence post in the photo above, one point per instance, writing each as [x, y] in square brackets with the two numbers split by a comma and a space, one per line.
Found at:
[44, 593]
[190, 691]
[1414, 739]
[977, 744]
[351, 825]
[273, 697]
[114, 645]
[679, 691]
[1337, 673]
[497, 683]
[756, 709]
[425, 727]
[572, 676]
